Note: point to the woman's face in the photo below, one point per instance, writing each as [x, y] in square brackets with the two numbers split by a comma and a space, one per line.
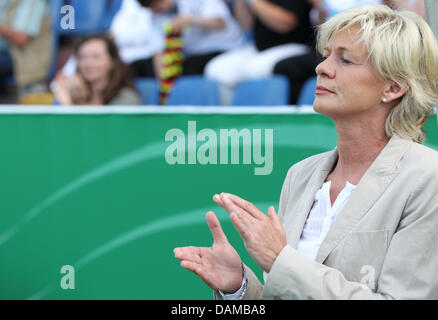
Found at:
[94, 61]
[348, 84]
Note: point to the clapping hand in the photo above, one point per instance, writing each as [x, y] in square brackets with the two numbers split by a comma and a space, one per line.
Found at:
[219, 266]
[264, 236]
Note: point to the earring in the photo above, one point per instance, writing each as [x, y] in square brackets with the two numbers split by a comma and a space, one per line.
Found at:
[384, 99]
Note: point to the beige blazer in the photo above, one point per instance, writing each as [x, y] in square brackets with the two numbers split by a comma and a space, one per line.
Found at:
[383, 244]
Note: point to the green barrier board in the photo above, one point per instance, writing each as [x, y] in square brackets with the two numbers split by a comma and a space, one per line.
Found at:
[91, 207]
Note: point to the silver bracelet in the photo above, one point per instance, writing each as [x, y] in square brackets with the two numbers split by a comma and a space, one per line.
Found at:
[245, 284]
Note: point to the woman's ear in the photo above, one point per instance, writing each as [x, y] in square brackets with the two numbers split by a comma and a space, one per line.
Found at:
[394, 91]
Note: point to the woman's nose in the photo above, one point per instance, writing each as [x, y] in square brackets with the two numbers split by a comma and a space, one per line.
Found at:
[325, 68]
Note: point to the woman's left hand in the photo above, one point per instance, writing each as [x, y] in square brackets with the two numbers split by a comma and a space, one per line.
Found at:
[264, 236]
[79, 91]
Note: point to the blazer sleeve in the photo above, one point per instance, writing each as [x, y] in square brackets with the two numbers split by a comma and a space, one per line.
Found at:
[408, 271]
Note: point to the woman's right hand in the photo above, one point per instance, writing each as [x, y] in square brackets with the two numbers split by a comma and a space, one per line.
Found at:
[219, 266]
[70, 90]
[61, 89]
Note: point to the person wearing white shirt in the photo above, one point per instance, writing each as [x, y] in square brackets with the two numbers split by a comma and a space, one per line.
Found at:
[208, 27]
[368, 206]
[139, 36]
[135, 33]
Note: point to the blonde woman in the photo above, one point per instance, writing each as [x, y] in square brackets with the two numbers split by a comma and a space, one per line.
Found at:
[360, 221]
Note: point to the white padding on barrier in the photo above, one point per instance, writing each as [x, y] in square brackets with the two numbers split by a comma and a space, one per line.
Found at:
[25, 109]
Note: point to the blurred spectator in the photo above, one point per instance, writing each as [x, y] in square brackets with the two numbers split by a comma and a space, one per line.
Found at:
[328, 8]
[132, 29]
[302, 67]
[208, 25]
[281, 29]
[413, 5]
[298, 69]
[25, 43]
[101, 77]
[5, 65]
[138, 36]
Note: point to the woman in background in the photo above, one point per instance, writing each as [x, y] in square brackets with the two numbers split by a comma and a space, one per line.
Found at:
[101, 77]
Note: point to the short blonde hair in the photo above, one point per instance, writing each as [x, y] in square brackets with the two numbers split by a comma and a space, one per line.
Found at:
[403, 49]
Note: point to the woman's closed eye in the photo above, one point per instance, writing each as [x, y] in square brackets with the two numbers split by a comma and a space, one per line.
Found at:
[341, 58]
[346, 61]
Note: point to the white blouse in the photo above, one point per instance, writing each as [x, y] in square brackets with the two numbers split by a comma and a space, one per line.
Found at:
[321, 217]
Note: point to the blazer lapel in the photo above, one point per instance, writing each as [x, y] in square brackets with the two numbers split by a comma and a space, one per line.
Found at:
[372, 184]
[306, 201]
